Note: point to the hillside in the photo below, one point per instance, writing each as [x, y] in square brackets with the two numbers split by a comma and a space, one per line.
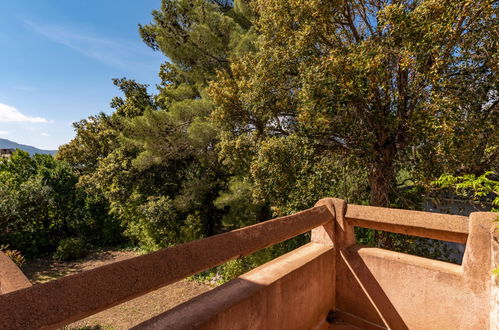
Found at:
[7, 144]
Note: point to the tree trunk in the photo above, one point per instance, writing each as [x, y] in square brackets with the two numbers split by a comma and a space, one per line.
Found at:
[381, 177]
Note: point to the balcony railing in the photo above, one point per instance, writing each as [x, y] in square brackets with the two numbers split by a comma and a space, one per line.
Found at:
[329, 282]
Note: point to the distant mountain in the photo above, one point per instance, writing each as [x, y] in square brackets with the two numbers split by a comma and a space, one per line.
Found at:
[7, 144]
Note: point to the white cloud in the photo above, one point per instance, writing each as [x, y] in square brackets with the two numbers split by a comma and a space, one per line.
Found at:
[45, 134]
[10, 114]
[25, 88]
[113, 52]
[4, 132]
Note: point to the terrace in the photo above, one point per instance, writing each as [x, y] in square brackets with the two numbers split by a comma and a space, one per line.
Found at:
[330, 282]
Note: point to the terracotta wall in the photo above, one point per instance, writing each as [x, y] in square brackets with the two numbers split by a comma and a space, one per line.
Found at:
[11, 277]
[373, 288]
[367, 287]
[293, 291]
[494, 281]
[377, 288]
[73, 297]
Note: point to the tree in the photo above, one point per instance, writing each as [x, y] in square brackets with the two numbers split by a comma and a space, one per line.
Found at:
[40, 204]
[389, 83]
[159, 169]
[95, 138]
[198, 37]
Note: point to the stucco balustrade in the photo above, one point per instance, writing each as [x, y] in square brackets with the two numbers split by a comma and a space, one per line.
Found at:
[330, 282]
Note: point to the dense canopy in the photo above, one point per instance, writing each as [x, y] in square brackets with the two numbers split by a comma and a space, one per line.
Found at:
[266, 106]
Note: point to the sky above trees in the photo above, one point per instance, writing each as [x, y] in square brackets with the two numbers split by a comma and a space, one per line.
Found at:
[57, 60]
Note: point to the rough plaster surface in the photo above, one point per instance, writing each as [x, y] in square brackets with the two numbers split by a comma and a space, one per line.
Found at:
[293, 291]
[77, 296]
[369, 288]
[494, 294]
[11, 277]
[399, 291]
[453, 228]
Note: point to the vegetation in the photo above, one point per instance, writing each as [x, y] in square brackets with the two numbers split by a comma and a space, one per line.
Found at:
[393, 85]
[40, 204]
[264, 107]
[14, 255]
[483, 189]
[71, 249]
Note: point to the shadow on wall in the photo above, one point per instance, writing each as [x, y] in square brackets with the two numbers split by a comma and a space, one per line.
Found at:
[359, 284]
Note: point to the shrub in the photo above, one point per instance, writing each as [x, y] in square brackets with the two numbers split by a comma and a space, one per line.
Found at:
[14, 255]
[71, 249]
[41, 203]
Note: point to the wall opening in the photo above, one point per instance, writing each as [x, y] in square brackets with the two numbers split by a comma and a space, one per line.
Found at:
[419, 246]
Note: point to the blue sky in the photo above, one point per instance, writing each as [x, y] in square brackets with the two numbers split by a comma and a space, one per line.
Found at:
[57, 59]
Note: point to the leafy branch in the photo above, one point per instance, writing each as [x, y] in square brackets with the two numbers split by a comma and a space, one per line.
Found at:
[480, 188]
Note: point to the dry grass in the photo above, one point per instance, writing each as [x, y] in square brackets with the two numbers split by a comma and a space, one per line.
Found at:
[124, 315]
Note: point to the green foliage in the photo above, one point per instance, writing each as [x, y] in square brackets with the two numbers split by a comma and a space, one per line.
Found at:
[292, 174]
[157, 225]
[71, 249]
[266, 106]
[409, 84]
[196, 35]
[14, 255]
[95, 138]
[242, 210]
[40, 203]
[154, 158]
[481, 188]
[237, 267]
[419, 246]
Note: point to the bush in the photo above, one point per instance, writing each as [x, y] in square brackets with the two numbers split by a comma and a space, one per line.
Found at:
[237, 267]
[14, 255]
[41, 203]
[71, 249]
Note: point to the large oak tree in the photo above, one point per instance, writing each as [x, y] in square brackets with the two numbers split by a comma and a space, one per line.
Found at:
[392, 83]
